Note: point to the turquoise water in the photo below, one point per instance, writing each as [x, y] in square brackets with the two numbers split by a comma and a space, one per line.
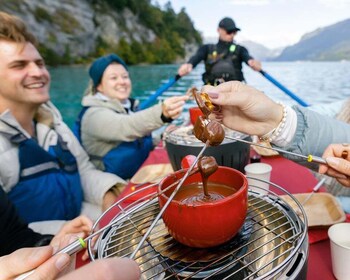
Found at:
[313, 82]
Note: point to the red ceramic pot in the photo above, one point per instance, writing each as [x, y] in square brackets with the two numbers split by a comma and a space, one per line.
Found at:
[195, 112]
[209, 224]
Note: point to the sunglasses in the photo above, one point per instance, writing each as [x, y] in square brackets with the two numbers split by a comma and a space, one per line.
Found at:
[230, 32]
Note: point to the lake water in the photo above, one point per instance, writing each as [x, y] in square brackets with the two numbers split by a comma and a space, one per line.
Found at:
[313, 82]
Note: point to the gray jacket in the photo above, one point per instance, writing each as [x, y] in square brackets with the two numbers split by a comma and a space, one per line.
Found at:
[94, 182]
[106, 124]
[314, 133]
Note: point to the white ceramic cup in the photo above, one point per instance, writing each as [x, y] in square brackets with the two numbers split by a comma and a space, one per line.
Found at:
[258, 170]
[339, 235]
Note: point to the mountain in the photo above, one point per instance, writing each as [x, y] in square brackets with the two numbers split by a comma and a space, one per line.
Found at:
[324, 44]
[259, 51]
[77, 31]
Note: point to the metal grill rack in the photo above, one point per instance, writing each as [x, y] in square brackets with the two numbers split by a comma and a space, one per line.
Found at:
[269, 241]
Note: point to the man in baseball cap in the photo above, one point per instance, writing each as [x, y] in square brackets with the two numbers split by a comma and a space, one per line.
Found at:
[223, 61]
[228, 25]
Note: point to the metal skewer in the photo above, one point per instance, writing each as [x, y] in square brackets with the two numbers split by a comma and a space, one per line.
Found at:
[309, 158]
[314, 190]
[80, 244]
[132, 256]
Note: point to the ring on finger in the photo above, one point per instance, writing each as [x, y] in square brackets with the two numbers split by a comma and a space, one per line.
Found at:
[344, 154]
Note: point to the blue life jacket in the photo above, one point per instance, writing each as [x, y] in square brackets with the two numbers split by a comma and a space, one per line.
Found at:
[49, 186]
[126, 158]
[123, 160]
[77, 124]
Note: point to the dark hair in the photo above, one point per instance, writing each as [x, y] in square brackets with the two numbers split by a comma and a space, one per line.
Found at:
[13, 29]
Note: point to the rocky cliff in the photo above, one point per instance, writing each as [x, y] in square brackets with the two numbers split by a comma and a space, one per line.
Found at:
[71, 31]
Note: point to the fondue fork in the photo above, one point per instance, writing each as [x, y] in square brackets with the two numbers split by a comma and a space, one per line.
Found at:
[314, 190]
[80, 244]
[132, 256]
[309, 158]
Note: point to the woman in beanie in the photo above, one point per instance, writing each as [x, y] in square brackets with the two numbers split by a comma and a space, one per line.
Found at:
[115, 135]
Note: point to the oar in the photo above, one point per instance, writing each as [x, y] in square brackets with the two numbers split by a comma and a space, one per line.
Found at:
[159, 92]
[283, 88]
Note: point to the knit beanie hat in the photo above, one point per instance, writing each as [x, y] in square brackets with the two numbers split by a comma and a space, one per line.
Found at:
[98, 67]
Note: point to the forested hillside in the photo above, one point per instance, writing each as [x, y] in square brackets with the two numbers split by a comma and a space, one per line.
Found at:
[77, 31]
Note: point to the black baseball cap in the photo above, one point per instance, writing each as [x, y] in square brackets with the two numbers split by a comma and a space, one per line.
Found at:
[228, 24]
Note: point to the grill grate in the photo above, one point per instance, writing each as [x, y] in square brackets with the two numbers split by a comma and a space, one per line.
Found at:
[269, 239]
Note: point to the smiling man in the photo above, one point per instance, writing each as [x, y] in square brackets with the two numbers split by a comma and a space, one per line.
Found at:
[43, 168]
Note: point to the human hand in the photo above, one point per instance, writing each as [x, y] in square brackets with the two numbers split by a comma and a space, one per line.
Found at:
[23, 260]
[48, 267]
[44, 116]
[173, 106]
[254, 64]
[111, 195]
[108, 200]
[185, 69]
[338, 160]
[243, 108]
[79, 227]
[116, 268]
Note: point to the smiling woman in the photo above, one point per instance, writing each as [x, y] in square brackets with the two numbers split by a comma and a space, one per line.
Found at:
[114, 133]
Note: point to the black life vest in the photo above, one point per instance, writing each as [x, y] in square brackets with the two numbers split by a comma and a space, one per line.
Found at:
[223, 67]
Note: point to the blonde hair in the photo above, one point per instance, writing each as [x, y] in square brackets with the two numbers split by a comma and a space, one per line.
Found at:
[13, 29]
[90, 89]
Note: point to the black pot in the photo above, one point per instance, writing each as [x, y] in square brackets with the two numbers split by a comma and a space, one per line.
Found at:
[230, 153]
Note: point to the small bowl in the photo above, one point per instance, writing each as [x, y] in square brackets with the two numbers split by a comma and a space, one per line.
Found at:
[195, 112]
[211, 223]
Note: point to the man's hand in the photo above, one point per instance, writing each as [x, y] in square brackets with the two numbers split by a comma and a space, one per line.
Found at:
[185, 69]
[48, 267]
[27, 259]
[254, 64]
[44, 116]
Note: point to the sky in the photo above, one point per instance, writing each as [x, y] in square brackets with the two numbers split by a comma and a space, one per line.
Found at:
[272, 23]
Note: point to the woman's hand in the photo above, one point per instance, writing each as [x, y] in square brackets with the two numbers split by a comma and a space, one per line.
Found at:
[244, 108]
[173, 106]
[48, 267]
[79, 227]
[338, 159]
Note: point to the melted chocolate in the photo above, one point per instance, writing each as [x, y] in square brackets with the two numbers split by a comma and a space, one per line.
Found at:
[199, 129]
[192, 194]
[206, 166]
[211, 131]
[214, 133]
